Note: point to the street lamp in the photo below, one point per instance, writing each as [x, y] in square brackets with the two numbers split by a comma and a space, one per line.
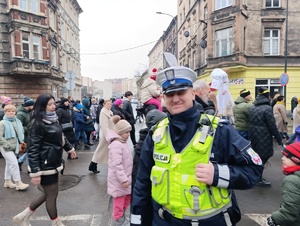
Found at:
[176, 32]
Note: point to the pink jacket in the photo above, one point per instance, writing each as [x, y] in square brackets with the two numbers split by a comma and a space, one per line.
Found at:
[119, 165]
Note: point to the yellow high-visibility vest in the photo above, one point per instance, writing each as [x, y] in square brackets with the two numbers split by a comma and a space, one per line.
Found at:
[174, 184]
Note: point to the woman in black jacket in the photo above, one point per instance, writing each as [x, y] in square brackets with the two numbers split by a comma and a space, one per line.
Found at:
[45, 153]
[64, 118]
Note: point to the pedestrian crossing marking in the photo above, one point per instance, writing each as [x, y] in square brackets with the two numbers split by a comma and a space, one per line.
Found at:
[261, 219]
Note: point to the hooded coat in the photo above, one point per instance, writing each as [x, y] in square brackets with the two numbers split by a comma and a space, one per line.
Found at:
[288, 213]
[262, 127]
[149, 90]
[119, 165]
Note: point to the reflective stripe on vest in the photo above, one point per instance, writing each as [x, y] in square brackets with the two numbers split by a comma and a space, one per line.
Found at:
[174, 184]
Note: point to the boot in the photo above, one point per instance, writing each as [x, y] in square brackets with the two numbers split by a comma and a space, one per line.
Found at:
[23, 217]
[93, 167]
[21, 186]
[120, 222]
[57, 222]
[9, 184]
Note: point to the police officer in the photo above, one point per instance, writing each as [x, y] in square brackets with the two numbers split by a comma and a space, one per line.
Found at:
[190, 162]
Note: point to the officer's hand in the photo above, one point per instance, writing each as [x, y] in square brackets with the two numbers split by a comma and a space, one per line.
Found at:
[205, 173]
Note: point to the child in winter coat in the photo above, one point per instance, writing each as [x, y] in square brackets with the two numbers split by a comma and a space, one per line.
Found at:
[119, 169]
[288, 213]
[150, 93]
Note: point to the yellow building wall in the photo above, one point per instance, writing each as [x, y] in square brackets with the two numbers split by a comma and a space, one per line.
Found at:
[250, 74]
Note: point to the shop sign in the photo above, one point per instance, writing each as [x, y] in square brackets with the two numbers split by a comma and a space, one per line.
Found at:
[237, 81]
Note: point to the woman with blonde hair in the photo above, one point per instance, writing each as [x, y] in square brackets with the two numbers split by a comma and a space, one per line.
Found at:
[105, 123]
[11, 135]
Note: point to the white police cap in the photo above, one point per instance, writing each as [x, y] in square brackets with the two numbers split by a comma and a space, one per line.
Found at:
[176, 78]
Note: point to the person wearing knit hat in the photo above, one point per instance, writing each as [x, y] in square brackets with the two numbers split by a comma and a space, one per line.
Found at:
[5, 100]
[119, 169]
[264, 91]
[262, 129]
[288, 212]
[65, 119]
[23, 114]
[150, 94]
[118, 109]
[241, 113]
[28, 102]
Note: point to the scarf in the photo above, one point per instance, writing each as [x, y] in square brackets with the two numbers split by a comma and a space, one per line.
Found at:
[50, 116]
[290, 169]
[10, 130]
[280, 102]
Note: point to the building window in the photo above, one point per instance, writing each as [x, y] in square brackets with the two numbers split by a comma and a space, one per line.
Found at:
[52, 19]
[36, 46]
[223, 42]
[222, 4]
[271, 42]
[272, 3]
[25, 44]
[54, 57]
[31, 46]
[29, 5]
[62, 30]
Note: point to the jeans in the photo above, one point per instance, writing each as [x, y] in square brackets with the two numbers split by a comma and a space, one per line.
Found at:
[22, 158]
[82, 135]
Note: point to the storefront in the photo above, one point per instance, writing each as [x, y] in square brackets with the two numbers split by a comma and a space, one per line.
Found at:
[252, 78]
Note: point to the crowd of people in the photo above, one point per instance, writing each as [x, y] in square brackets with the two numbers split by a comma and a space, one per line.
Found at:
[196, 149]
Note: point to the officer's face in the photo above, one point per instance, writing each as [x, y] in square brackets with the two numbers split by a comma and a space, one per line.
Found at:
[180, 101]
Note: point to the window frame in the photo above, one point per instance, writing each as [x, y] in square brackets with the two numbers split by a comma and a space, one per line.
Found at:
[32, 43]
[271, 39]
[219, 41]
[31, 6]
[220, 4]
[272, 4]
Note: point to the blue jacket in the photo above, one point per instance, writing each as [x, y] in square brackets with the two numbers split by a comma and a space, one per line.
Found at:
[79, 120]
[229, 151]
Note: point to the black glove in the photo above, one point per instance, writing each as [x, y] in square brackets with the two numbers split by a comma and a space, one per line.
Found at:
[280, 143]
[286, 123]
[270, 222]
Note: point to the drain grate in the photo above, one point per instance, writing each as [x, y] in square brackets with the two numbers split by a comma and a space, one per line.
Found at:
[66, 182]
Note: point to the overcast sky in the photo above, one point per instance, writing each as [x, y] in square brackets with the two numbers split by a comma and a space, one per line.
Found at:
[113, 26]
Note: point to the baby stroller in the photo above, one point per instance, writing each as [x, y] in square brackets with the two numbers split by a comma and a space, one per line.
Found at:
[140, 114]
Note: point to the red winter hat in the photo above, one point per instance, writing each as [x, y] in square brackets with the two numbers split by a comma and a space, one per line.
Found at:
[292, 152]
[154, 73]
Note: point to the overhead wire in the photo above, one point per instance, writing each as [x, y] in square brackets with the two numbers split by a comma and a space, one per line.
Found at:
[118, 51]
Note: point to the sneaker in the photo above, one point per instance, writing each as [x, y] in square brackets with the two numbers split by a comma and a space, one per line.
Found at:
[263, 183]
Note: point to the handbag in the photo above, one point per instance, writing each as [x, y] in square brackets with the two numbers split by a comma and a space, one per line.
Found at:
[22, 145]
[89, 121]
[66, 126]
